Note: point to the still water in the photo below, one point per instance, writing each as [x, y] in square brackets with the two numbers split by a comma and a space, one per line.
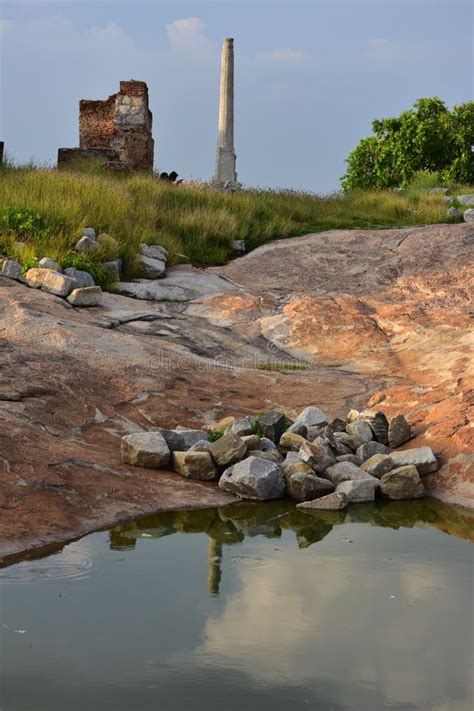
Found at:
[247, 607]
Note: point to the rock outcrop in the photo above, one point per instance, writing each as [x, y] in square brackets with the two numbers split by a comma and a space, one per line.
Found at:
[360, 318]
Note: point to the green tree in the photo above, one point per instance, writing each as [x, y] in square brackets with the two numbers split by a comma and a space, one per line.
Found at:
[427, 137]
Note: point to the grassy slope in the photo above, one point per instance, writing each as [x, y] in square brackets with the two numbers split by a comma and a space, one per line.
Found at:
[198, 223]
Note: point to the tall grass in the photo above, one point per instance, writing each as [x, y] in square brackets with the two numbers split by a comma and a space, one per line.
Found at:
[198, 223]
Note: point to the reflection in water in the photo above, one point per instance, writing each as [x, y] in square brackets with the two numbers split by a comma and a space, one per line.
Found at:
[232, 524]
[334, 611]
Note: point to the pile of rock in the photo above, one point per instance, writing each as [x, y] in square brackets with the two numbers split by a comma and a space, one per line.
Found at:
[321, 464]
[460, 206]
[77, 286]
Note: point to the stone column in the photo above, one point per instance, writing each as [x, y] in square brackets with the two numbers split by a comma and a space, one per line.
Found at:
[225, 159]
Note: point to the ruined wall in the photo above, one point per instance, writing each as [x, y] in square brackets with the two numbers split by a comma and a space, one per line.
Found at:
[117, 130]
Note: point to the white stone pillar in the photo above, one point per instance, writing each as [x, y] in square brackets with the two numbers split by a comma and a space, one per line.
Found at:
[225, 159]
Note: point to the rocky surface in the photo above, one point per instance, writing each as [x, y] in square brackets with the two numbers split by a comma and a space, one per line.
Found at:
[370, 317]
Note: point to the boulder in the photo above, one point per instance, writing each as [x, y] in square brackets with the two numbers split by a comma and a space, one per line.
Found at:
[86, 296]
[228, 449]
[422, 458]
[271, 455]
[194, 465]
[58, 284]
[291, 442]
[346, 471]
[378, 423]
[173, 439]
[294, 465]
[316, 456]
[83, 278]
[360, 432]
[202, 446]
[252, 441]
[238, 246]
[254, 478]
[306, 487]
[332, 502]
[353, 415]
[466, 199]
[35, 277]
[145, 449]
[367, 450]
[349, 458]
[454, 213]
[312, 417]
[114, 267]
[11, 269]
[266, 444]
[338, 425]
[149, 268]
[298, 428]
[242, 427]
[191, 436]
[88, 232]
[402, 483]
[48, 263]
[272, 425]
[358, 490]
[154, 251]
[438, 191]
[378, 465]
[469, 215]
[399, 431]
[86, 244]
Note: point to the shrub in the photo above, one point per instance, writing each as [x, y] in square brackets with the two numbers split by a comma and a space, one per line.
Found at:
[428, 138]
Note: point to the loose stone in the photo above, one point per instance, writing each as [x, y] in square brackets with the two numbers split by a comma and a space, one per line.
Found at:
[47, 263]
[359, 432]
[88, 232]
[350, 458]
[114, 267]
[367, 450]
[86, 244]
[191, 436]
[469, 215]
[306, 487]
[298, 428]
[173, 439]
[202, 446]
[87, 296]
[402, 483]
[332, 502]
[150, 268]
[59, 284]
[346, 471]
[145, 449]
[272, 425]
[378, 423]
[399, 431]
[194, 465]
[378, 465]
[242, 427]
[294, 465]
[35, 277]
[271, 455]
[289, 441]
[358, 491]
[83, 278]
[312, 417]
[422, 458]
[255, 479]
[252, 441]
[316, 456]
[154, 251]
[11, 269]
[228, 449]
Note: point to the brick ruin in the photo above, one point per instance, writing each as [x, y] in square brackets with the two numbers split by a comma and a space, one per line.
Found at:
[117, 131]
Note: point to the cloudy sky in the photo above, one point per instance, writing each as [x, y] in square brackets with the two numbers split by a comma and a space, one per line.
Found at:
[310, 75]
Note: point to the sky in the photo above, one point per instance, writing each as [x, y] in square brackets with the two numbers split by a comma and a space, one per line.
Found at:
[310, 76]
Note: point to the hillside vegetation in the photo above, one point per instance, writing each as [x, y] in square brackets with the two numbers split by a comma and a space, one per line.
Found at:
[42, 211]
